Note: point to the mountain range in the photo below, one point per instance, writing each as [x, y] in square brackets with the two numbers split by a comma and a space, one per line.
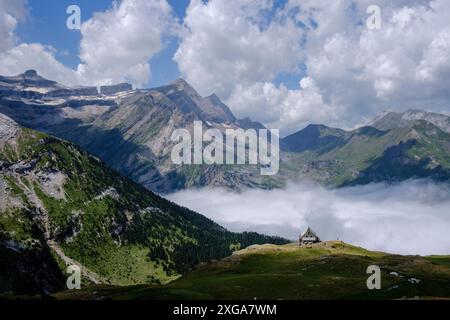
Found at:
[60, 206]
[130, 131]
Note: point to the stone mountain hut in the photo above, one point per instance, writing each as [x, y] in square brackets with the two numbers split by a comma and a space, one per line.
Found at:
[308, 237]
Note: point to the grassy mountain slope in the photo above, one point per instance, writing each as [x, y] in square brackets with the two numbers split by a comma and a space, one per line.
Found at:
[330, 270]
[424, 152]
[367, 154]
[318, 138]
[64, 206]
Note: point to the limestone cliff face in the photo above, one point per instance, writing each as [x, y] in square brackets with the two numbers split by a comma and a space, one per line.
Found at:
[113, 89]
[130, 130]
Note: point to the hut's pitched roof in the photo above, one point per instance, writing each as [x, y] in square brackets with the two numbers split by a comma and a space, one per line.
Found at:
[309, 232]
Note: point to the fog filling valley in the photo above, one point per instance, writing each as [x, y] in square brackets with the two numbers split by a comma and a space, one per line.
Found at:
[411, 217]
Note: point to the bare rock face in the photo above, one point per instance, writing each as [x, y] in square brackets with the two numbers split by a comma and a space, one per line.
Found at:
[69, 92]
[35, 102]
[210, 108]
[9, 130]
[391, 120]
[216, 110]
[113, 89]
[31, 85]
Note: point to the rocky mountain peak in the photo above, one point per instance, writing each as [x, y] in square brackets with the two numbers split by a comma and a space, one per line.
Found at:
[32, 77]
[216, 109]
[185, 97]
[181, 84]
[29, 78]
[214, 98]
[407, 119]
[316, 137]
[30, 73]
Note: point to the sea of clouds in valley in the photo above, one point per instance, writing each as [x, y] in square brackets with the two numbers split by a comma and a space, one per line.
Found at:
[411, 217]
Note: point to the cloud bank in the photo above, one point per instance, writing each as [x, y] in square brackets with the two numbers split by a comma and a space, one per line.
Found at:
[408, 218]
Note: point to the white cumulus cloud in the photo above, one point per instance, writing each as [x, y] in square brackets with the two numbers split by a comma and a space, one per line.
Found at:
[230, 43]
[17, 57]
[237, 50]
[116, 45]
[11, 13]
[282, 108]
[362, 71]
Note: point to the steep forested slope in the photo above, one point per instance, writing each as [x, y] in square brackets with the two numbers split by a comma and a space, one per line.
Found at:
[59, 205]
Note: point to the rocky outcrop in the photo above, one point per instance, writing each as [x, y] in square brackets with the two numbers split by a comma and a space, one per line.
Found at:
[113, 89]
[8, 130]
[39, 103]
[29, 78]
[30, 85]
[215, 110]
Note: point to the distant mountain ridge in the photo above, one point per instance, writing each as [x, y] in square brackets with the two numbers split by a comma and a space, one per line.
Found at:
[315, 137]
[392, 120]
[394, 147]
[130, 130]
